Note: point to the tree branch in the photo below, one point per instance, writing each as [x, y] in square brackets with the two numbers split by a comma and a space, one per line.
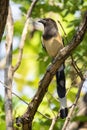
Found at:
[44, 83]
[82, 111]
[77, 69]
[31, 8]
[73, 107]
[53, 123]
[23, 37]
[54, 120]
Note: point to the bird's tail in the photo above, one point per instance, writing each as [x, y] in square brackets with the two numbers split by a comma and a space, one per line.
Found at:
[61, 90]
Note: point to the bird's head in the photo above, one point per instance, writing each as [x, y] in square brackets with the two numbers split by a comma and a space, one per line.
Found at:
[50, 27]
[48, 22]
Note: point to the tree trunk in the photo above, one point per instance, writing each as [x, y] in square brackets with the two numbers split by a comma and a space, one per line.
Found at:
[9, 73]
[3, 15]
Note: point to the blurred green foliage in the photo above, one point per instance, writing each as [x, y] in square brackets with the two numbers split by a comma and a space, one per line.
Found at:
[35, 60]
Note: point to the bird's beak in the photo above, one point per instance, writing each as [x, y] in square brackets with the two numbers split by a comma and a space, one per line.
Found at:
[38, 25]
[42, 21]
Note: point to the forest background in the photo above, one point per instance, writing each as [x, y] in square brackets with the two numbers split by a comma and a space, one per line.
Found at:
[35, 61]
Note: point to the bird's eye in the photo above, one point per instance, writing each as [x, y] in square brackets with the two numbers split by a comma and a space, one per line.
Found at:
[48, 20]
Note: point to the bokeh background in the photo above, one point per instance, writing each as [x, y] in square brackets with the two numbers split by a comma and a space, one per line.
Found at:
[35, 60]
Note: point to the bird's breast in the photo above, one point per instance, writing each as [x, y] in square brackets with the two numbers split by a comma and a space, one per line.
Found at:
[53, 45]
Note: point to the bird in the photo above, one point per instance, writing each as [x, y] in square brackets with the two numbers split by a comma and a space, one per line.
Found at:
[53, 43]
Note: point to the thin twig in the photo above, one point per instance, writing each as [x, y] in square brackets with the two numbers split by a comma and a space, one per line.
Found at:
[44, 115]
[5, 86]
[82, 111]
[77, 68]
[52, 96]
[31, 8]
[23, 37]
[53, 123]
[54, 120]
[68, 89]
[72, 109]
[49, 106]
[63, 31]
